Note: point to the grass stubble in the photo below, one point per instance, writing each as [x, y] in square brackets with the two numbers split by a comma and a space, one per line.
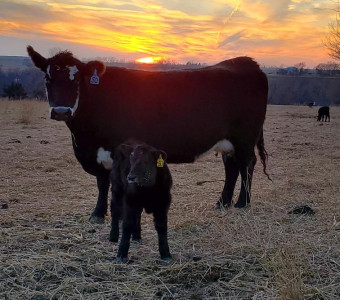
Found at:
[49, 250]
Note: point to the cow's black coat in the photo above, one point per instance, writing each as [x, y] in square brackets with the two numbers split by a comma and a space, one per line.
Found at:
[323, 114]
[185, 113]
[137, 184]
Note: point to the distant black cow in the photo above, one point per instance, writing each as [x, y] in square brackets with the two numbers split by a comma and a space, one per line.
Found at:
[140, 180]
[323, 114]
[186, 113]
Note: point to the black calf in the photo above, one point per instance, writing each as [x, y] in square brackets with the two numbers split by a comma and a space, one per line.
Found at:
[140, 180]
[323, 114]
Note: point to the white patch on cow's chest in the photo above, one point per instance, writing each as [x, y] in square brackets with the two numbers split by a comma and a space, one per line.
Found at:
[73, 71]
[104, 158]
[223, 146]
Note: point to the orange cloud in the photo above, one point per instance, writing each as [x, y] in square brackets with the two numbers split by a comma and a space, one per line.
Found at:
[205, 30]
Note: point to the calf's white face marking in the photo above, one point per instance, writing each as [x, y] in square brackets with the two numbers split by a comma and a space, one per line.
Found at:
[223, 146]
[104, 158]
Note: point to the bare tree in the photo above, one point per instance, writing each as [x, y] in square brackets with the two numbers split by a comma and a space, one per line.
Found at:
[332, 40]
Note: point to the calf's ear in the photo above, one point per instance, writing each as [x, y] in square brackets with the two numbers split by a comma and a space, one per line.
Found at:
[125, 150]
[38, 60]
[162, 153]
[94, 67]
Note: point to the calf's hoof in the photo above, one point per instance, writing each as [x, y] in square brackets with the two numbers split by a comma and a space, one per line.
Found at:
[96, 220]
[136, 241]
[121, 260]
[113, 239]
[167, 258]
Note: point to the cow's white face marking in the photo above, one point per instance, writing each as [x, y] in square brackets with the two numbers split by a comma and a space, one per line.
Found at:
[104, 158]
[73, 71]
[48, 71]
[223, 146]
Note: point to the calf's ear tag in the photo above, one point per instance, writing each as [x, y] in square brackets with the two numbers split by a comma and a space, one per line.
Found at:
[94, 78]
[160, 162]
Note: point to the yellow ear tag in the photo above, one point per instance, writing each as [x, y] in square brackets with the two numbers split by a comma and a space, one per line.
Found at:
[160, 162]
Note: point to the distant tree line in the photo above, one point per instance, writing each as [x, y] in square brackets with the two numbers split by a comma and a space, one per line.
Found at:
[29, 82]
[18, 84]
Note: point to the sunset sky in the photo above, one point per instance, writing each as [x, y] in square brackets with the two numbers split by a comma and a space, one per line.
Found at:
[274, 32]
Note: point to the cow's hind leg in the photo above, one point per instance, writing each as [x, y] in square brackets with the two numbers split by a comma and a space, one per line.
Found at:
[246, 170]
[103, 184]
[231, 174]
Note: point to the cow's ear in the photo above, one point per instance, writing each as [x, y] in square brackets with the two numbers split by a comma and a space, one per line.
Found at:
[38, 60]
[94, 67]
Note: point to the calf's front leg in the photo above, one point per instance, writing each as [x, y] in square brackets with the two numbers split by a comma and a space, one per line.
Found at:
[129, 224]
[161, 225]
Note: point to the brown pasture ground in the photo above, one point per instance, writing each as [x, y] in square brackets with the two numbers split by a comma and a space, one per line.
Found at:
[49, 250]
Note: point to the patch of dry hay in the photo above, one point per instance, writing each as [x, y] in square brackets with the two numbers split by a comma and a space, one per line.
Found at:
[49, 250]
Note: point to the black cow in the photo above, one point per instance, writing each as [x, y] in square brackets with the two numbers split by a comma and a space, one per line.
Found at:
[140, 180]
[186, 113]
[323, 114]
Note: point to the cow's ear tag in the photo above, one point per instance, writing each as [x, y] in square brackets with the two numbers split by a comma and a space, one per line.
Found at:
[94, 78]
[160, 162]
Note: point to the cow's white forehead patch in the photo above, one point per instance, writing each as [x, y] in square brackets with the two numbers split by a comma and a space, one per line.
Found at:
[104, 158]
[73, 71]
[48, 71]
[223, 146]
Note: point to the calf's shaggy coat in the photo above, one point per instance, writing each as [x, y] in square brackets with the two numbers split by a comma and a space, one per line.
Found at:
[140, 180]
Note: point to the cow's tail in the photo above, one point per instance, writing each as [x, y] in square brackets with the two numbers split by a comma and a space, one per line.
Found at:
[263, 154]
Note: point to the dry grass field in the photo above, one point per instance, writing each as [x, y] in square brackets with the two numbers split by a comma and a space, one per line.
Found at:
[49, 250]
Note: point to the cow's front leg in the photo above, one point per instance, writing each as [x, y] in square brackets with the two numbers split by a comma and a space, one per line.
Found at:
[99, 212]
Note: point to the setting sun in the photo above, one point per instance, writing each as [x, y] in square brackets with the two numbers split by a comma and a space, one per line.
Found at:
[148, 60]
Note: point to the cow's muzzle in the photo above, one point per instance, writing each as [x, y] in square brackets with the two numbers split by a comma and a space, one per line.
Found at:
[61, 113]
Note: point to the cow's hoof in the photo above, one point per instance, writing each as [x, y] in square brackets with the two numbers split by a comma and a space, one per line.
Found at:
[121, 260]
[241, 205]
[219, 205]
[96, 220]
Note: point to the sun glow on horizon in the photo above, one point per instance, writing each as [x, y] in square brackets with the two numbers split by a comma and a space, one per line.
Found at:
[148, 60]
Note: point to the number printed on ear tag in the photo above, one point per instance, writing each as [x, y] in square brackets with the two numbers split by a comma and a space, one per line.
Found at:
[160, 162]
[94, 78]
